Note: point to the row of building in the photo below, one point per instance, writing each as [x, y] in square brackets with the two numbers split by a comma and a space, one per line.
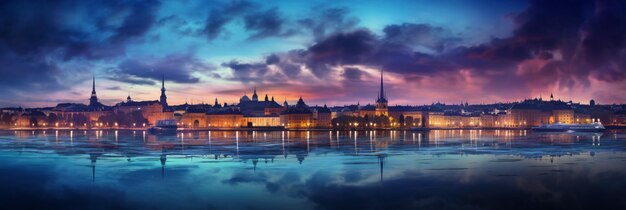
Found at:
[253, 112]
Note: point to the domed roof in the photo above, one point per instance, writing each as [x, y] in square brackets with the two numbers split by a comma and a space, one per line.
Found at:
[244, 98]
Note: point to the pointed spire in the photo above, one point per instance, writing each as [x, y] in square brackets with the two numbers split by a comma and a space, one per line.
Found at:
[382, 90]
[93, 100]
[163, 82]
[551, 97]
[266, 99]
[163, 98]
[93, 88]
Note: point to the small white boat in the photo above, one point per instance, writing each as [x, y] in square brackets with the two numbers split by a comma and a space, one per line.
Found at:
[164, 126]
[561, 127]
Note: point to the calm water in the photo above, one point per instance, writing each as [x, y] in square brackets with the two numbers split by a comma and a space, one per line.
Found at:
[312, 170]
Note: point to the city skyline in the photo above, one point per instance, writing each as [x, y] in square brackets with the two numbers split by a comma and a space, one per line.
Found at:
[94, 100]
[480, 52]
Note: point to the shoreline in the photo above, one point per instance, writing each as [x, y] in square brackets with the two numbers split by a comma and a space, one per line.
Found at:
[267, 129]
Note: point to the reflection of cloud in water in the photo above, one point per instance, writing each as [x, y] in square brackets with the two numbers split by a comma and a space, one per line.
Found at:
[370, 170]
[36, 188]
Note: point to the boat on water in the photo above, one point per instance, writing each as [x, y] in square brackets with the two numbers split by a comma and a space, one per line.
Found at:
[164, 126]
[562, 127]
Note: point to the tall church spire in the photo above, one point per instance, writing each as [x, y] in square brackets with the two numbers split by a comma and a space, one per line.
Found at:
[163, 98]
[163, 83]
[93, 100]
[93, 88]
[381, 102]
[382, 90]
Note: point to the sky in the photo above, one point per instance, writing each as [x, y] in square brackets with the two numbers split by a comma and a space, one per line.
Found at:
[328, 52]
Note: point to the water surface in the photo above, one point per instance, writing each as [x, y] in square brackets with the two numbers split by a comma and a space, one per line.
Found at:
[488, 169]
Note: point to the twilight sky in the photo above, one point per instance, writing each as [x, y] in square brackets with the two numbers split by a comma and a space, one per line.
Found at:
[326, 51]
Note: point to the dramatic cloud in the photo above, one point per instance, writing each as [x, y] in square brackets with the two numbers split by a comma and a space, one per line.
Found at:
[552, 47]
[421, 35]
[220, 16]
[178, 68]
[266, 24]
[328, 20]
[247, 72]
[507, 52]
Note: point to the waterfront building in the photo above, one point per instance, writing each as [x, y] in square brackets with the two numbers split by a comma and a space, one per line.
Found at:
[298, 116]
[195, 116]
[256, 108]
[152, 111]
[367, 110]
[225, 117]
[78, 114]
[322, 116]
[262, 121]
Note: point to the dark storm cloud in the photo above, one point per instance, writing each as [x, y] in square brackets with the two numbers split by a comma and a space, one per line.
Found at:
[324, 21]
[138, 22]
[359, 47]
[36, 37]
[247, 72]
[566, 41]
[28, 27]
[263, 23]
[267, 23]
[424, 35]
[220, 16]
[27, 73]
[272, 59]
[352, 74]
[177, 68]
[340, 49]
